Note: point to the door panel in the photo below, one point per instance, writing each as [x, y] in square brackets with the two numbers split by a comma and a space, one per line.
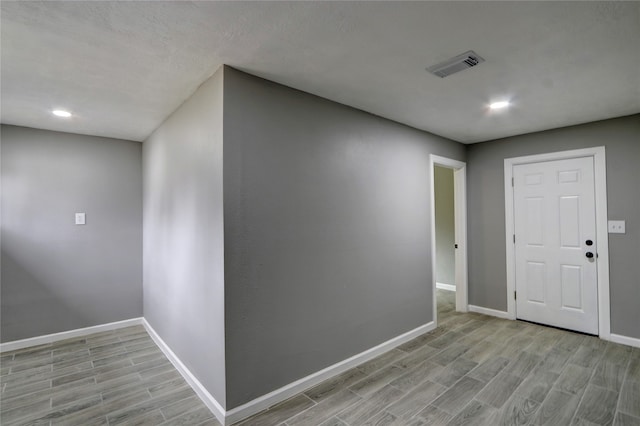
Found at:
[571, 287]
[554, 215]
[535, 221]
[569, 222]
[536, 282]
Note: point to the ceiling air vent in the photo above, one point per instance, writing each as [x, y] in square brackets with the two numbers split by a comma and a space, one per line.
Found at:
[456, 64]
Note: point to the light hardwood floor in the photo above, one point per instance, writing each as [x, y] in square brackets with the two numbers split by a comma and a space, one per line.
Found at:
[471, 370]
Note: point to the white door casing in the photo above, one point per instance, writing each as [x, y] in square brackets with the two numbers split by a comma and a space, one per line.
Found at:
[602, 261]
[554, 223]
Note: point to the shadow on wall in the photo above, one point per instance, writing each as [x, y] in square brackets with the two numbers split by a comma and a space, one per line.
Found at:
[34, 308]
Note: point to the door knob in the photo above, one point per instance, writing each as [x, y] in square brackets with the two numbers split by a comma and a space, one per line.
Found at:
[589, 242]
[589, 255]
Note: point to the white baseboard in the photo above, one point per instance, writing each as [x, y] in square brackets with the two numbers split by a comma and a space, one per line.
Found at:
[625, 340]
[195, 384]
[64, 335]
[443, 286]
[488, 311]
[251, 407]
[278, 395]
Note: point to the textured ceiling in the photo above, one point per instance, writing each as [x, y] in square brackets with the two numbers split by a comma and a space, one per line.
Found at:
[123, 67]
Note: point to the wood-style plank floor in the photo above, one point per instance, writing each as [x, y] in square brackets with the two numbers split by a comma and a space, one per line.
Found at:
[472, 370]
[113, 378]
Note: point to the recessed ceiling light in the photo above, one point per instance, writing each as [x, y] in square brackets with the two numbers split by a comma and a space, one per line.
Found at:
[499, 105]
[61, 113]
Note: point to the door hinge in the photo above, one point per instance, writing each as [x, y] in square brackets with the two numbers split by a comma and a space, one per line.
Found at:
[513, 182]
[514, 238]
[455, 246]
[515, 295]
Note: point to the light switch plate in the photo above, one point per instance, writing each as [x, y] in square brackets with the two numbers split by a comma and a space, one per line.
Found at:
[617, 227]
[80, 219]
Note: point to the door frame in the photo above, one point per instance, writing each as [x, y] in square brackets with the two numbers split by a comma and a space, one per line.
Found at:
[460, 213]
[600, 176]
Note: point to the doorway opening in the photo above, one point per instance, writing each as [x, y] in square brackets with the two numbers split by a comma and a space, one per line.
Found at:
[448, 236]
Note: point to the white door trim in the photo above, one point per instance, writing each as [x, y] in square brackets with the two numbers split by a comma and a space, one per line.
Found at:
[600, 170]
[460, 212]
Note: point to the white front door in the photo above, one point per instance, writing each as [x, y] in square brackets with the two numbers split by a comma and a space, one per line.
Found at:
[555, 243]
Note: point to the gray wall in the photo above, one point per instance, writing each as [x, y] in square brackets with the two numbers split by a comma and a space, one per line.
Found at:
[57, 276]
[445, 226]
[487, 270]
[183, 234]
[327, 241]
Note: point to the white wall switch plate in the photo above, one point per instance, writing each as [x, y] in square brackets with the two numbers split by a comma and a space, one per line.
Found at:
[80, 219]
[617, 227]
